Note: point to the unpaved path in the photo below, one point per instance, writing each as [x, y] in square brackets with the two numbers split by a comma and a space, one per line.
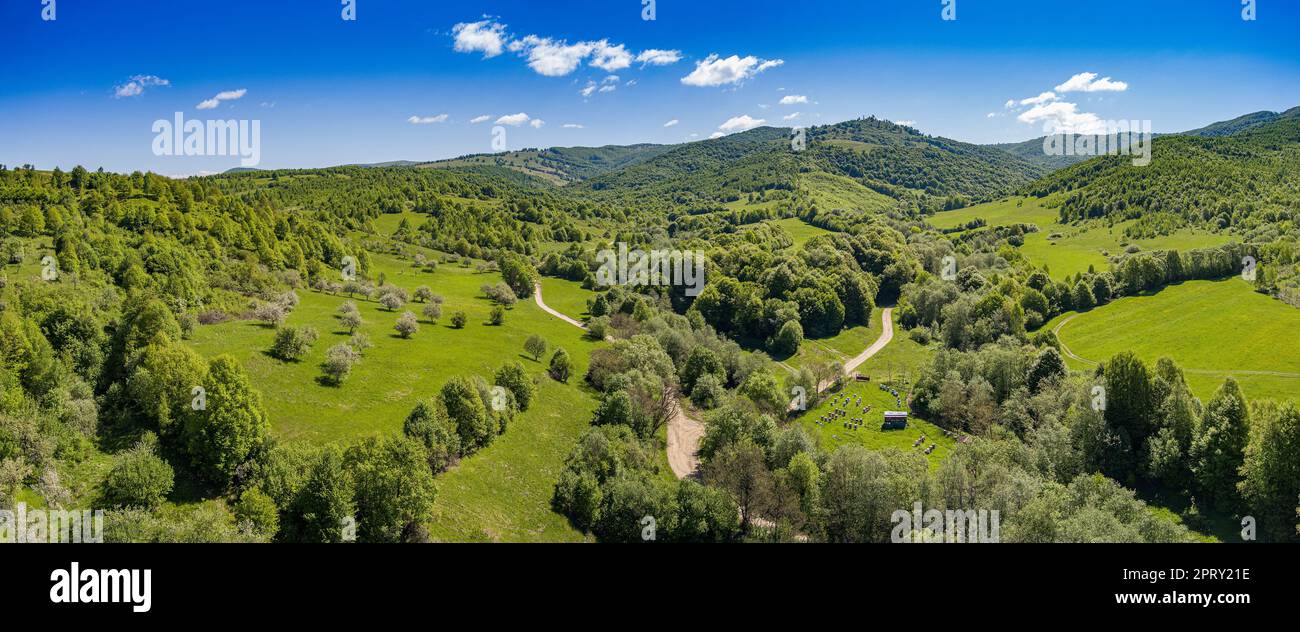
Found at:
[684, 432]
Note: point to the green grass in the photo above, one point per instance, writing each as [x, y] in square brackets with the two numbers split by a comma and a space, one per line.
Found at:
[832, 192]
[1212, 329]
[1070, 249]
[800, 230]
[504, 491]
[898, 360]
[568, 297]
[833, 434]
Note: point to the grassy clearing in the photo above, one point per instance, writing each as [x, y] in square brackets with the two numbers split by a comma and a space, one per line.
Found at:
[1212, 329]
[800, 230]
[830, 191]
[1069, 249]
[833, 434]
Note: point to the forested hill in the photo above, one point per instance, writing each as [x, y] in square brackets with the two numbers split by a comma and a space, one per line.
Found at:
[1242, 123]
[865, 158]
[558, 165]
[1245, 180]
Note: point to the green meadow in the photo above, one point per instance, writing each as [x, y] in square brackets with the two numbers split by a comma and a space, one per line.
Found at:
[501, 493]
[1067, 249]
[1213, 329]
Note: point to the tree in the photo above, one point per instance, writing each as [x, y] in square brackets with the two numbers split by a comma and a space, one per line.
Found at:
[700, 362]
[292, 343]
[464, 406]
[1047, 366]
[392, 301]
[709, 393]
[351, 321]
[394, 488]
[702, 514]
[536, 347]
[513, 376]
[423, 294]
[221, 437]
[787, 340]
[458, 320]
[498, 315]
[1219, 447]
[739, 469]
[560, 366]
[139, 478]
[765, 391]
[428, 424]
[256, 512]
[1129, 407]
[407, 325]
[324, 505]
[339, 361]
[432, 312]
[1271, 471]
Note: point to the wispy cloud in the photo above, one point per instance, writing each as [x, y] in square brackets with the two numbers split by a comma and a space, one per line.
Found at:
[137, 84]
[480, 119]
[426, 120]
[514, 120]
[228, 95]
[740, 123]
[792, 99]
[1088, 82]
[672, 123]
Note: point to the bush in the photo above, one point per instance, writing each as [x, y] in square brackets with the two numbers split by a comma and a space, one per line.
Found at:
[560, 366]
[498, 315]
[458, 320]
[292, 343]
[423, 294]
[407, 325]
[139, 478]
[270, 313]
[709, 392]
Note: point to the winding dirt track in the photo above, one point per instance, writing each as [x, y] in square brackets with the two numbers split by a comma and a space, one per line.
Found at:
[685, 432]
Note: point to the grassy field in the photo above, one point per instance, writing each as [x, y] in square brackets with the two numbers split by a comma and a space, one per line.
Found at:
[1212, 329]
[800, 230]
[833, 434]
[1069, 249]
[501, 493]
[566, 296]
[898, 360]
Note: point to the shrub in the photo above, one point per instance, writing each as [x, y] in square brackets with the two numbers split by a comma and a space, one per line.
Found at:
[513, 377]
[391, 301]
[139, 478]
[360, 342]
[270, 313]
[709, 392]
[256, 512]
[498, 315]
[432, 312]
[458, 320]
[423, 294]
[560, 366]
[292, 343]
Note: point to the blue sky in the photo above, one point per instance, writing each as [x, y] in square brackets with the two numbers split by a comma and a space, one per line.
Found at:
[86, 87]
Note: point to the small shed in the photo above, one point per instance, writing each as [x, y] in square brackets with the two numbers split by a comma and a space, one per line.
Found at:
[894, 420]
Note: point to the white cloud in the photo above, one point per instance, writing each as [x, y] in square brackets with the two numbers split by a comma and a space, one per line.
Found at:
[657, 57]
[1060, 117]
[990, 115]
[713, 135]
[610, 57]
[574, 126]
[610, 79]
[672, 123]
[589, 90]
[719, 71]
[536, 123]
[551, 58]
[425, 120]
[740, 123]
[609, 88]
[907, 123]
[792, 99]
[228, 95]
[791, 117]
[514, 120]
[487, 37]
[1040, 99]
[480, 119]
[1088, 82]
[135, 87]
